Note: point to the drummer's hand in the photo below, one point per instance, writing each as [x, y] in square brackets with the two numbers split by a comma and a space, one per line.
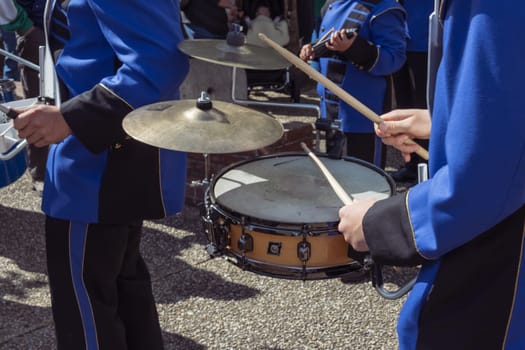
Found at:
[401, 125]
[41, 125]
[339, 41]
[351, 223]
[307, 53]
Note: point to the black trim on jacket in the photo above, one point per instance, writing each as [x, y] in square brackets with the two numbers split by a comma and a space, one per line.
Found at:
[398, 248]
[95, 117]
[363, 54]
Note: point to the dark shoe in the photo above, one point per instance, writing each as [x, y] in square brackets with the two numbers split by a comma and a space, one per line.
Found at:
[405, 174]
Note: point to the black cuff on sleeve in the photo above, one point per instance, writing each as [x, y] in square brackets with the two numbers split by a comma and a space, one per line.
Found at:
[389, 235]
[362, 53]
[95, 117]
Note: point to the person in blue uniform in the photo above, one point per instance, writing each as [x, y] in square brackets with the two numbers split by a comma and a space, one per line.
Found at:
[362, 65]
[100, 183]
[410, 82]
[465, 225]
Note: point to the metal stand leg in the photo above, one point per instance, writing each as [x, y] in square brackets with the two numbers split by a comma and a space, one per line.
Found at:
[271, 104]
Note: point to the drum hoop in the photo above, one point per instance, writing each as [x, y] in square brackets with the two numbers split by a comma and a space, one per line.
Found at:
[272, 227]
[254, 221]
[294, 272]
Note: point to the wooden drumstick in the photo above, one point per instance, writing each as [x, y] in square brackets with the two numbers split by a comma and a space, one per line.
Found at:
[336, 89]
[345, 197]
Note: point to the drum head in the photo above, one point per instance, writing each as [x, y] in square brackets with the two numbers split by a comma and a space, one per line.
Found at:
[292, 189]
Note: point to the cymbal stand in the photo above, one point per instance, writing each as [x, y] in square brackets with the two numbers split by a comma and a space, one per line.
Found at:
[205, 208]
[204, 183]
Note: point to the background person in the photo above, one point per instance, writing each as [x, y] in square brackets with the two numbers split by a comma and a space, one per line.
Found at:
[274, 27]
[8, 65]
[410, 82]
[361, 65]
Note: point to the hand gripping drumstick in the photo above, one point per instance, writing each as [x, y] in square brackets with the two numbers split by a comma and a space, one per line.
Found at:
[345, 197]
[336, 89]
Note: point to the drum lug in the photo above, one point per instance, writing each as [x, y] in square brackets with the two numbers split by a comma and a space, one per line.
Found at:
[304, 251]
[245, 243]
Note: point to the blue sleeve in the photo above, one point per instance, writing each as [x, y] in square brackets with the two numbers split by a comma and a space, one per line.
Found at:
[388, 33]
[477, 145]
[144, 36]
[130, 59]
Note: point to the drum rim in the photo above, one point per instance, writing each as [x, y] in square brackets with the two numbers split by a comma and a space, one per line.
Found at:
[294, 272]
[254, 220]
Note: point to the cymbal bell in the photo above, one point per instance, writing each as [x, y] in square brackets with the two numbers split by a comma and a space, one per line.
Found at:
[202, 126]
[246, 56]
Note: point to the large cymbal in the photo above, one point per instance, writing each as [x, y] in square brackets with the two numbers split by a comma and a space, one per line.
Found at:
[189, 126]
[246, 56]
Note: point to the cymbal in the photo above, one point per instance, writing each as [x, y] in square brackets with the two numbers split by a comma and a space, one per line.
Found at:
[202, 127]
[246, 56]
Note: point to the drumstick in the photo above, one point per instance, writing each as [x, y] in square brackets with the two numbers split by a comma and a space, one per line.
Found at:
[345, 197]
[336, 89]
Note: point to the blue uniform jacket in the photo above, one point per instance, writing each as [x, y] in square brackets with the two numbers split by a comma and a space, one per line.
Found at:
[418, 12]
[465, 225]
[385, 28]
[111, 65]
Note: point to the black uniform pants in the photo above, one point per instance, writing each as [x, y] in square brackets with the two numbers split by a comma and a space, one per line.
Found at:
[100, 287]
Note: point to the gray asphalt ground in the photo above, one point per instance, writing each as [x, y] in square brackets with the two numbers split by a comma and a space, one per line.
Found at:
[203, 302]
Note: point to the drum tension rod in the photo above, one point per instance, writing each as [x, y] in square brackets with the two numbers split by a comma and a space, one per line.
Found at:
[245, 243]
[304, 250]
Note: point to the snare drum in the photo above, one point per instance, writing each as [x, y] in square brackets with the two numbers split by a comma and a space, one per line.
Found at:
[13, 150]
[277, 215]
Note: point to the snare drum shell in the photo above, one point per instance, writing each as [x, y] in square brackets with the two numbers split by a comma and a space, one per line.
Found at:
[12, 169]
[15, 166]
[327, 250]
